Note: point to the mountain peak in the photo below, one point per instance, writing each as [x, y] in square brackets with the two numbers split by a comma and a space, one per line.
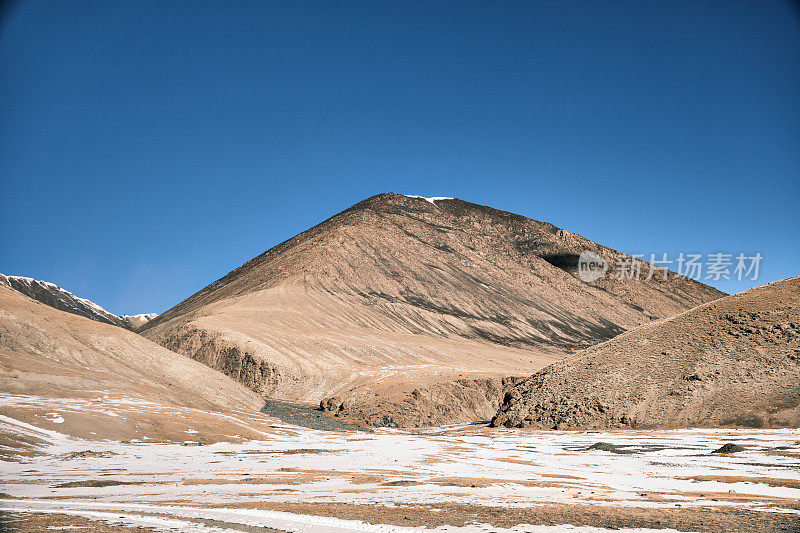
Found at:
[410, 280]
[432, 199]
[396, 199]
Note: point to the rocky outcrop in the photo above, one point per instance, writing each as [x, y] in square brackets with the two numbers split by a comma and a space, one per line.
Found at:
[451, 402]
[255, 374]
[732, 362]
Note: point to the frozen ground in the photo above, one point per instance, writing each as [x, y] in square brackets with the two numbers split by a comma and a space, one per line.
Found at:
[295, 473]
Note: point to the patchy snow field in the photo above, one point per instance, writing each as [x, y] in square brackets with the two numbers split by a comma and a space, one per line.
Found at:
[264, 483]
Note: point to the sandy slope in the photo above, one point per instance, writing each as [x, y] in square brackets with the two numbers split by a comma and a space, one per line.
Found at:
[96, 371]
[734, 361]
[398, 292]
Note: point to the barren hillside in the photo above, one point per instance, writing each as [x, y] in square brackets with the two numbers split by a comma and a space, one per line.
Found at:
[734, 361]
[50, 357]
[398, 290]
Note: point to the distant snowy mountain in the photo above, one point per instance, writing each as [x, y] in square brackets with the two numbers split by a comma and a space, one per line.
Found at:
[137, 321]
[54, 296]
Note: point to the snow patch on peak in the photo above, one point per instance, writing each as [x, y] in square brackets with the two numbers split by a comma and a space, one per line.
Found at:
[137, 321]
[6, 280]
[145, 316]
[28, 286]
[91, 304]
[432, 199]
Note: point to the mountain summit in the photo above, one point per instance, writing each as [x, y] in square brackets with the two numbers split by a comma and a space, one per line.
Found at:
[400, 288]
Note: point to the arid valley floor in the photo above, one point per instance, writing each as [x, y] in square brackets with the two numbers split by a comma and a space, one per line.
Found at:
[455, 478]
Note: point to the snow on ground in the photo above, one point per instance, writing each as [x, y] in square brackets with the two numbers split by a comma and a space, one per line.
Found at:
[273, 519]
[467, 465]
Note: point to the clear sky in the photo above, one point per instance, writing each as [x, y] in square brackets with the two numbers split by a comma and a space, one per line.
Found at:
[148, 147]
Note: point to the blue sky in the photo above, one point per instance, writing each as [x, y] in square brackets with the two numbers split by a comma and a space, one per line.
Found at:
[148, 147]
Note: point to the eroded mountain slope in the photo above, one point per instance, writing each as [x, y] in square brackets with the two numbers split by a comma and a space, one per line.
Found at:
[734, 361]
[400, 289]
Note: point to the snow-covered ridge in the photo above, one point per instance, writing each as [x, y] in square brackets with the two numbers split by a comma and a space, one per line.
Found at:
[137, 321]
[141, 316]
[59, 298]
[432, 199]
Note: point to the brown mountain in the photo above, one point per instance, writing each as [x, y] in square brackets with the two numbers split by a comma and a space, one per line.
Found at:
[53, 360]
[409, 291]
[63, 300]
[734, 361]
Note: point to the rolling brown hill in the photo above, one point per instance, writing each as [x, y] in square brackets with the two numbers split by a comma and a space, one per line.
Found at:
[405, 291]
[732, 362]
[91, 372]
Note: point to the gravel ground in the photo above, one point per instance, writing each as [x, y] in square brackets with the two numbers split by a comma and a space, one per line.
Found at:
[306, 416]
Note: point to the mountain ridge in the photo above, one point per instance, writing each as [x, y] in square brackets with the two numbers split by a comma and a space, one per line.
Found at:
[413, 289]
[59, 298]
[374, 202]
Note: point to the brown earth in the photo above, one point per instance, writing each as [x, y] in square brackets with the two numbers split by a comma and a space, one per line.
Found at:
[60, 361]
[606, 516]
[731, 362]
[398, 293]
[30, 522]
[431, 516]
[27, 522]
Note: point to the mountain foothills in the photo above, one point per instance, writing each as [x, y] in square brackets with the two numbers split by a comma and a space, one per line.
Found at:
[411, 311]
[91, 372]
[54, 296]
[734, 361]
